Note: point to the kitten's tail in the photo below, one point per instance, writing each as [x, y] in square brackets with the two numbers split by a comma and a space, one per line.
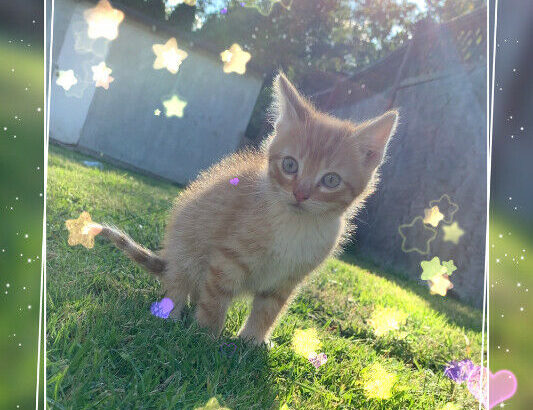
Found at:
[144, 257]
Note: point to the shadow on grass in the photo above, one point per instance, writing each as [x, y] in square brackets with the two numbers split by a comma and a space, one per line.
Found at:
[460, 314]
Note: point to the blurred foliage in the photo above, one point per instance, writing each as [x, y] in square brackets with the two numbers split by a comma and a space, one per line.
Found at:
[303, 35]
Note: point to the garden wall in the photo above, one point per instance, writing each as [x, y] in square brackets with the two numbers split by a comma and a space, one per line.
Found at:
[440, 149]
[119, 123]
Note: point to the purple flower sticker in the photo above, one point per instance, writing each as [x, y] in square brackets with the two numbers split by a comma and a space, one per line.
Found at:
[459, 371]
[163, 308]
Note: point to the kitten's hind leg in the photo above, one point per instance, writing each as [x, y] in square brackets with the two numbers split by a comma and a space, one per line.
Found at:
[213, 301]
[177, 292]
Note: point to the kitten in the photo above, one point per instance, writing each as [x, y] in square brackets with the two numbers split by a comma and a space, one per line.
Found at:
[289, 211]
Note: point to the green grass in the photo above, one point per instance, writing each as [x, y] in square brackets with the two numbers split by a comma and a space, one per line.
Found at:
[105, 349]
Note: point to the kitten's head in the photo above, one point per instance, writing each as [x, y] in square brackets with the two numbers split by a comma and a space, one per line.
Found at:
[318, 163]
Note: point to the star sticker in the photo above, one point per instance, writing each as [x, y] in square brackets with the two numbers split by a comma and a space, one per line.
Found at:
[432, 216]
[168, 56]
[439, 285]
[82, 230]
[174, 107]
[101, 75]
[103, 20]
[450, 267]
[306, 342]
[384, 320]
[235, 59]
[453, 233]
[416, 236]
[212, 404]
[157, 112]
[264, 7]
[432, 268]
[66, 79]
[446, 207]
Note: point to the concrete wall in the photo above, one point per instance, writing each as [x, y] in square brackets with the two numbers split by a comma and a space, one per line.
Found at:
[440, 148]
[119, 123]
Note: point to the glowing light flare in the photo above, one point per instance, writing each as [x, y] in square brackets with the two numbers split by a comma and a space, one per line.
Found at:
[174, 107]
[66, 79]
[168, 56]
[378, 382]
[101, 75]
[452, 233]
[235, 59]
[103, 20]
[384, 320]
[305, 342]
[432, 216]
[82, 230]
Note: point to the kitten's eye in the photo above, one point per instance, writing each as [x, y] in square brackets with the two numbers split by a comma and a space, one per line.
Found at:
[290, 166]
[331, 180]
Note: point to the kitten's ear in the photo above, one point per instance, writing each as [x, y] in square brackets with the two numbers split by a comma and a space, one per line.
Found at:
[373, 136]
[288, 104]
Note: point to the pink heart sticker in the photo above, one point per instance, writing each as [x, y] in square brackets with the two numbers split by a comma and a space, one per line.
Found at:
[502, 386]
[234, 181]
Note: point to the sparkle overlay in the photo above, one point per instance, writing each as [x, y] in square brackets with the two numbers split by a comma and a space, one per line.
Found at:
[66, 79]
[82, 230]
[318, 360]
[168, 56]
[174, 107]
[432, 216]
[101, 75]
[103, 20]
[416, 236]
[306, 342]
[452, 233]
[235, 59]
[162, 308]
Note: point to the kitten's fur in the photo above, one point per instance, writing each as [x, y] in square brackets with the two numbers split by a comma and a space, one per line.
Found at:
[256, 237]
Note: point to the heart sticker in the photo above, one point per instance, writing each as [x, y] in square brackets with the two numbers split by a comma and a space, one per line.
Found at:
[502, 387]
[163, 308]
[234, 181]
[227, 350]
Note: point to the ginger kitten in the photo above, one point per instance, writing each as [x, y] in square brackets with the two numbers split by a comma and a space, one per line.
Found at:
[289, 211]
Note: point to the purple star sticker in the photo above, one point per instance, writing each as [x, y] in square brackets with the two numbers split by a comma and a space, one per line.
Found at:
[163, 308]
[459, 371]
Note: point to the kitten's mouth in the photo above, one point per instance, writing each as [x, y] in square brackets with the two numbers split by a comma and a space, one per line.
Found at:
[296, 206]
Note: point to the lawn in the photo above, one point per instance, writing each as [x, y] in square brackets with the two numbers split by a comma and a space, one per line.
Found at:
[105, 349]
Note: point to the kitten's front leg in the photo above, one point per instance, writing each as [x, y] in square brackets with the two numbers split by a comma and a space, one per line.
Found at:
[266, 308]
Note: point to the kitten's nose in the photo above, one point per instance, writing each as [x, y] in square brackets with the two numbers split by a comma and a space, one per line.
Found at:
[302, 191]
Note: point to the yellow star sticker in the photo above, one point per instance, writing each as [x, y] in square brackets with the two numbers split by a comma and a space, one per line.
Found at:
[453, 233]
[213, 404]
[383, 320]
[378, 382]
[101, 75]
[103, 20]
[306, 342]
[82, 230]
[168, 56]
[174, 106]
[235, 59]
[432, 216]
[439, 285]
[66, 79]
[157, 112]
